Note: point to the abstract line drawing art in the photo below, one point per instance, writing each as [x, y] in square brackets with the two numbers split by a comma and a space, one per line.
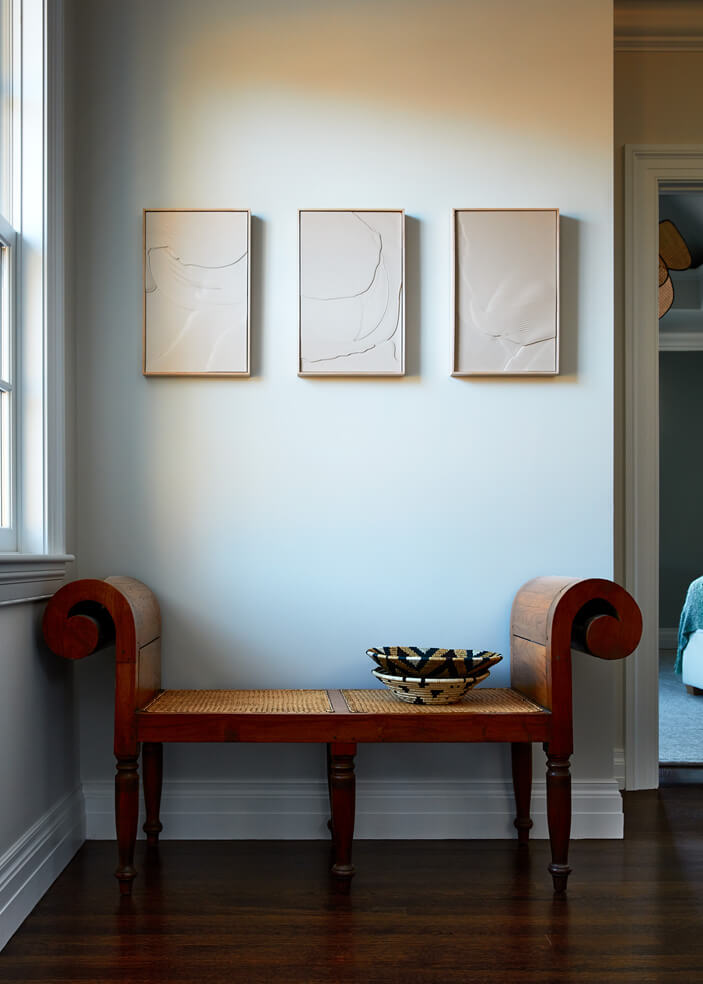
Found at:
[196, 292]
[352, 292]
[506, 292]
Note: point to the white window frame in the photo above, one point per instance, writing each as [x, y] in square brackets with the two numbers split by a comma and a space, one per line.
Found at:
[9, 212]
[8, 244]
[36, 564]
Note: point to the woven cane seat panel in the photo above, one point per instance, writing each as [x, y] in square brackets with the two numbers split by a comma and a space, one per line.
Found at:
[483, 701]
[240, 702]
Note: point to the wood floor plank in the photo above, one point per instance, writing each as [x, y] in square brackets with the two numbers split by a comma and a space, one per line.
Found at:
[420, 912]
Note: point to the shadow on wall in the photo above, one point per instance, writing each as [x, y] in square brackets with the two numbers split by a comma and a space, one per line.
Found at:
[258, 294]
[569, 261]
[413, 295]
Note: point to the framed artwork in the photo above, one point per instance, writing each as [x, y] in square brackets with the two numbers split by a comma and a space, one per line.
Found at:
[506, 292]
[351, 292]
[196, 292]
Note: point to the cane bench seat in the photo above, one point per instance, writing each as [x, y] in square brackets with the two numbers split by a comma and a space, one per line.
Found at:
[484, 700]
[498, 714]
[240, 702]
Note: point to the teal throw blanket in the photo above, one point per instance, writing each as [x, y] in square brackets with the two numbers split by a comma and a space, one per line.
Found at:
[691, 618]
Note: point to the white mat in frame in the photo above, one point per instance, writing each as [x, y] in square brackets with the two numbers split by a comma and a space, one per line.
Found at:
[196, 292]
[505, 277]
[352, 292]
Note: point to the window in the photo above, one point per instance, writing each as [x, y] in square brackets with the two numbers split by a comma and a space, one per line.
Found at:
[32, 404]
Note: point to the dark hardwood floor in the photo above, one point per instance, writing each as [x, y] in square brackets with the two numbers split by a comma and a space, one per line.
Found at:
[441, 911]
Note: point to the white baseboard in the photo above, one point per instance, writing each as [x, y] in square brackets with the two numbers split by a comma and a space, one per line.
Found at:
[36, 859]
[392, 809]
[668, 638]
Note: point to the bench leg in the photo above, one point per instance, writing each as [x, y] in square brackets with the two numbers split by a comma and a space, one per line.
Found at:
[342, 786]
[559, 817]
[126, 819]
[152, 776]
[522, 784]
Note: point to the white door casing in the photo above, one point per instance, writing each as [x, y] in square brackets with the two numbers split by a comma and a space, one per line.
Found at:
[649, 170]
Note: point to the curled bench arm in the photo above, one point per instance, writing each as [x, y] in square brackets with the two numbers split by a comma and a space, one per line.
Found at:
[87, 614]
[552, 616]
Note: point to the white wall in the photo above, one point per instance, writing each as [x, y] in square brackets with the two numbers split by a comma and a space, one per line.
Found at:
[36, 723]
[41, 816]
[287, 524]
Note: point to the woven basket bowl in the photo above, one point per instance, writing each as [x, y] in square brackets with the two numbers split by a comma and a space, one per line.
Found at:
[425, 690]
[409, 661]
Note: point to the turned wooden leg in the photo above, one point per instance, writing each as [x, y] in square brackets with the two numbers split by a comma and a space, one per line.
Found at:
[559, 817]
[152, 776]
[342, 797]
[126, 818]
[522, 784]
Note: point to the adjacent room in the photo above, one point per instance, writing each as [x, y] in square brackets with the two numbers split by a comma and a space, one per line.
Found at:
[681, 532]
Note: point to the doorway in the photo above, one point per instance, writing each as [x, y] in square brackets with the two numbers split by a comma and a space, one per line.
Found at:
[650, 171]
[680, 467]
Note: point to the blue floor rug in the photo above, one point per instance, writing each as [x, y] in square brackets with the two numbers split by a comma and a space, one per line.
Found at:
[680, 716]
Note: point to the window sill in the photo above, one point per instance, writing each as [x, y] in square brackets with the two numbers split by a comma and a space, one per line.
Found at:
[31, 577]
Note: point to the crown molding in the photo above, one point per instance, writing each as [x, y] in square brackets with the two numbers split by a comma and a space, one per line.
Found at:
[658, 25]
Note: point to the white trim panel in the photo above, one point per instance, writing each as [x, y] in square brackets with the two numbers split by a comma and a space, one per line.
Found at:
[385, 809]
[31, 865]
[54, 286]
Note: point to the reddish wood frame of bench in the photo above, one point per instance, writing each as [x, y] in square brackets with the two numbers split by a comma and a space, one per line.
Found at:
[550, 617]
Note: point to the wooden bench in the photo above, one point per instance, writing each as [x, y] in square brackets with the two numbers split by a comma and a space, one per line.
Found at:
[550, 617]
